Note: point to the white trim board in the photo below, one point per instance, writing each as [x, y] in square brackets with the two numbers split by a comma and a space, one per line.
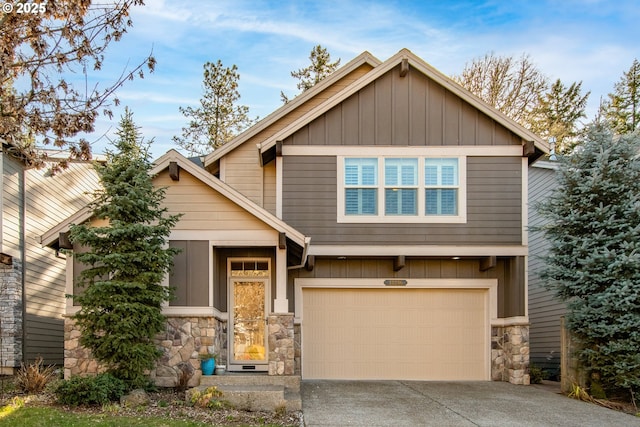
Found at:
[400, 151]
[417, 250]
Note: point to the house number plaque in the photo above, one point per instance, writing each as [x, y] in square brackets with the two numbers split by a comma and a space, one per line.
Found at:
[396, 282]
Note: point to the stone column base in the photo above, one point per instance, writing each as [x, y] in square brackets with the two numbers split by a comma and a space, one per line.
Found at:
[510, 354]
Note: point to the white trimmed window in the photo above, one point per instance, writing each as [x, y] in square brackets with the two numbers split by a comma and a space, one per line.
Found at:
[396, 189]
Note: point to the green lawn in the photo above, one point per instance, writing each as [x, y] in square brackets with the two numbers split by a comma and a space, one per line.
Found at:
[52, 417]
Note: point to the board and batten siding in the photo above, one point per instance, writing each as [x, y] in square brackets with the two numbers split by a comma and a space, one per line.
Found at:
[50, 199]
[511, 288]
[494, 207]
[242, 169]
[544, 309]
[202, 207]
[404, 111]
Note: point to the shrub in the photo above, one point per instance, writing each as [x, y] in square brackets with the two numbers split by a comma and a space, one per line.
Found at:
[537, 374]
[33, 378]
[98, 390]
[208, 398]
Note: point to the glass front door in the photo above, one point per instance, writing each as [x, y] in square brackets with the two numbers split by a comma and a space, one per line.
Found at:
[249, 295]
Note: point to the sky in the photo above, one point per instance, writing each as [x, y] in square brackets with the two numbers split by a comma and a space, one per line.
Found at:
[593, 41]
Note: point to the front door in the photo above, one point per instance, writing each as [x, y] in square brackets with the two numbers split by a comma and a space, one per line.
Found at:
[249, 296]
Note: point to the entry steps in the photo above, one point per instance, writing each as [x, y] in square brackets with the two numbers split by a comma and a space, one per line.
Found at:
[257, 391]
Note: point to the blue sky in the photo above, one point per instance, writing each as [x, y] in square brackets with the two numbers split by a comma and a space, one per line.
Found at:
[593, 41]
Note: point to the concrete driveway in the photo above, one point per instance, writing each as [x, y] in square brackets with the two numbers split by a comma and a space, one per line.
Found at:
[416, 403]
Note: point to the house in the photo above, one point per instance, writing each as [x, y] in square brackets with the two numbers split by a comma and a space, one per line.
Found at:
[33, 278]
[375, 227]
[545, 311]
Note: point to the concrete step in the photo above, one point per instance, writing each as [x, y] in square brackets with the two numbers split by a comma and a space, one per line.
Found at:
[257, 392]
[289, 382]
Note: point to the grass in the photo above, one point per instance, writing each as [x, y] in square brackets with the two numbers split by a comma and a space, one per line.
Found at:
[45, 417]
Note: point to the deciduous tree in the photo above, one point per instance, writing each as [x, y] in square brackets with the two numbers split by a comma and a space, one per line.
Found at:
[512, 86]
[218, 119]
[37, 103]
[127, 259]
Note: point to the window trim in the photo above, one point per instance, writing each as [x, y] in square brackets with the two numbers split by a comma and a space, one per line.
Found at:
[421, 217]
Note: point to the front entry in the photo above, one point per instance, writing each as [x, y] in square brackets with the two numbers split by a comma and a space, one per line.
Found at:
[249, 295]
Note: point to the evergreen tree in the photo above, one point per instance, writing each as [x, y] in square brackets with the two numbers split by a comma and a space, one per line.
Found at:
[594, 259]
[623, 107]
[121, 304]
[558, 113]
[319, 69]
[218, 119]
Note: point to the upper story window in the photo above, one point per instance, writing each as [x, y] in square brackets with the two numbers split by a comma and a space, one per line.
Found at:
[402, 189]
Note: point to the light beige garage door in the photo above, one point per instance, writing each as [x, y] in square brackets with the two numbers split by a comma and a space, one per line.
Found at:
[409, 334]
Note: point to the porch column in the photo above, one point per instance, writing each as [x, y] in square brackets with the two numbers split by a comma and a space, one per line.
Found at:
[281, 303]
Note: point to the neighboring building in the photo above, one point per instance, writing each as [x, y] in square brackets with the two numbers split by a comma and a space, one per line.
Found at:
[544, 309]
[33, 278]
[375, 227]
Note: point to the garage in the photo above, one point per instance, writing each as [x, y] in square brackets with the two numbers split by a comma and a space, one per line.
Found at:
[437, 334]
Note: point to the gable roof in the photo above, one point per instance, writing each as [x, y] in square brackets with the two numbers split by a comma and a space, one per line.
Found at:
[362, 59]
[162, 163]
[425, 69]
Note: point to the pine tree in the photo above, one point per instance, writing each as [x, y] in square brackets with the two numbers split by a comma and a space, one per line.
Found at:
[594, 259]
[623, 107]
[319, 69]
[218, 119]
[127, 259]
[558, 113]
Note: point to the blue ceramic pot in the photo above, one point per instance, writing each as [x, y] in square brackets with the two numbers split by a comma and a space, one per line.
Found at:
[208, 366]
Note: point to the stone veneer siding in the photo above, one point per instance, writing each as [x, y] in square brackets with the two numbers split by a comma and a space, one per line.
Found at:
[10, 317]
[181, 343]
[281, 344]
[510, 354]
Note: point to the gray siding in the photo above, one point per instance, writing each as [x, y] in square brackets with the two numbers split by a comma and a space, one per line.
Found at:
[508, 271]
[494, 207]
[49, 200]
[544, 309]
[411, 110]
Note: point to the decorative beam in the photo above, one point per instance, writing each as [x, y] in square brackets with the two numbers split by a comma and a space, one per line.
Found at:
[398, 263]
[311, 262]
[64, 242]
[282, 240]
[278, 148]
[487, 263]
[6, 259]
[528, 149]
[404, 67]
[174, 171]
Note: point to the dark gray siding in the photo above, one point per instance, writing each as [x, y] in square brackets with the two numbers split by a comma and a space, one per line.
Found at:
[44, 338]
[508, 270]
[544, 309]
[494, 207]
[411, 110]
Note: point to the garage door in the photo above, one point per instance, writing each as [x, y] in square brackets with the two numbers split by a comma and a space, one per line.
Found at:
[391, 333]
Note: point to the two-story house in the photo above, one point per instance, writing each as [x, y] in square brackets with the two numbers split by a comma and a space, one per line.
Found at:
[375, 227]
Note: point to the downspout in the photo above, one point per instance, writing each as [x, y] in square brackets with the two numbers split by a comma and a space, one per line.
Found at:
[23, 255]
[305, 253]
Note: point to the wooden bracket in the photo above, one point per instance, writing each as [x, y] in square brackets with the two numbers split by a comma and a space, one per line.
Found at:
[487, 263]
[174, 171]
[63, 241]
[404, 67]
[278, 148]
[282, 240]
[311, 262]
[528, 149]
[398, 263]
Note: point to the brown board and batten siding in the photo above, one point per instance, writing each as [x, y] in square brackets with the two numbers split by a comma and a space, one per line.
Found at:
[403, 111]
[544, 309]
[242, 169]
[508, 272]
[494, 207]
